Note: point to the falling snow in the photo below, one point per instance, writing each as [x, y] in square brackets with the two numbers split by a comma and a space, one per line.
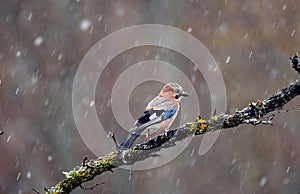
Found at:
[50, 158]
[38, 41]
[28, 175]
[100, 18]
[17, 91]
[293, 32]
[59, 57]
[233, 161]
[284, 7]
[18, 53]
[85, 24]
[29, 16]
[33, 80]
[284, 126]
[250, 54]
[288, 169]
[263, 181]
[46, 102]
[92, 103]
[44, 47]
[18, 176]
[8, 138]
[228, 59]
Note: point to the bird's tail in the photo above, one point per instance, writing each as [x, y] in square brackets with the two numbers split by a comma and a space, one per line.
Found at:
[129, 141]
[138, 131]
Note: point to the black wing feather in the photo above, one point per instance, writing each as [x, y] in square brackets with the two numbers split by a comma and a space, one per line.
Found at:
[144, 118]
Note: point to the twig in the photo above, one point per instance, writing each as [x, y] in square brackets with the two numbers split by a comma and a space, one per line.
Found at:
[35, 190]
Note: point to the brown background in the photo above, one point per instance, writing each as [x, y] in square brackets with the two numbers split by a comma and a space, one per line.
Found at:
[40, 139]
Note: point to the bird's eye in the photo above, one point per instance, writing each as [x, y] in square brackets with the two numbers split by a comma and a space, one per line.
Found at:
[176, 97]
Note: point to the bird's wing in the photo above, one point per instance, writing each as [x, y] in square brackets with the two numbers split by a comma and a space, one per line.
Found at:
[158, 110]
[154, 110]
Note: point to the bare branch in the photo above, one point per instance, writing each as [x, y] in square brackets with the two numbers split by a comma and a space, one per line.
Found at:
[252, 114]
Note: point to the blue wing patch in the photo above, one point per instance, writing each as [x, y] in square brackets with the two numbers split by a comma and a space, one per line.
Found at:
[168, 113]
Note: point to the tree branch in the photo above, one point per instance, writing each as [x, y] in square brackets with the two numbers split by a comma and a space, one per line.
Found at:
[252, 114]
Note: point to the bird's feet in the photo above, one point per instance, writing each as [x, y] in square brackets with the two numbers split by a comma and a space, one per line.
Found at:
[148, 137]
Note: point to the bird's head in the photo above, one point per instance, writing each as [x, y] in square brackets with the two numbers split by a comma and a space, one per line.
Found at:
[173, 90]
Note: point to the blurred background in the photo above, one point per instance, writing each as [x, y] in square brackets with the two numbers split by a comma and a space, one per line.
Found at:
[43, 43]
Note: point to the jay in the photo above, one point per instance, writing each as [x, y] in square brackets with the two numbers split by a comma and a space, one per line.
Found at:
[158, 115]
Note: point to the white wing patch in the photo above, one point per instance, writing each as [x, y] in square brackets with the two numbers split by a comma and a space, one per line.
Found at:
[153, 116]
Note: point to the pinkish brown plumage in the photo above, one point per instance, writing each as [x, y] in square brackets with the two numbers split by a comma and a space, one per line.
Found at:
[159, 113]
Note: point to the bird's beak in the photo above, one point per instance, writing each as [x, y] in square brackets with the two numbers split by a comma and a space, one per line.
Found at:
[184, 94]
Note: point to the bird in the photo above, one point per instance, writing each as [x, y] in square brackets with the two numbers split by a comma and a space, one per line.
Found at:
[158, 115]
